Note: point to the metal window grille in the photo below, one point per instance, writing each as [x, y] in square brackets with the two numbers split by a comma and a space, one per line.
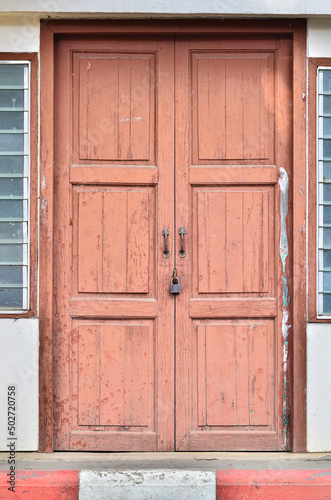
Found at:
[14, 185]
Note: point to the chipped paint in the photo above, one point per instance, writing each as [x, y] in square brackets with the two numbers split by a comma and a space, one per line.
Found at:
[283, 183]
[133, 119]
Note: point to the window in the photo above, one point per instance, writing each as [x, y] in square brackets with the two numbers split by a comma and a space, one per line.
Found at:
[14, 185]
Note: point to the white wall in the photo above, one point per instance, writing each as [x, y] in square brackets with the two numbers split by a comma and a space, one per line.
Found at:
[19, 339]
[319, 335]
[319, 37]
[19, 348]
[19, 33]
[319, 387]
[207, 7]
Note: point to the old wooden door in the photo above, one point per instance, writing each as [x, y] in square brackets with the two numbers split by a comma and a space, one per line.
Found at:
[154, 134]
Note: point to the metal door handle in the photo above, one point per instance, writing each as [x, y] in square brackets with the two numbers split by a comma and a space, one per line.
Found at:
[182, 231]
[166, 252]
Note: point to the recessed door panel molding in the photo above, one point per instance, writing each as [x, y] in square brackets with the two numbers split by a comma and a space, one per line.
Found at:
[115, 115]
[233, 106]
[115, 374]
[235, 231]
[115, 228]
[240, 355]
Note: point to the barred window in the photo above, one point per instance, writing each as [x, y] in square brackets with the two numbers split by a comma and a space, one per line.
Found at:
[14, 185]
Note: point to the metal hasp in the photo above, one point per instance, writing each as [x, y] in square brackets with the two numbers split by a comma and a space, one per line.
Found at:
[166, 252]
[175, 285]
[182, 231]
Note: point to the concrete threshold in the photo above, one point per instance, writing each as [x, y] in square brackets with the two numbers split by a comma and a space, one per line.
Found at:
[207, 461]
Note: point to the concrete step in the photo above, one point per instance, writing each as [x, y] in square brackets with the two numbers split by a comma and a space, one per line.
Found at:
[147, 485]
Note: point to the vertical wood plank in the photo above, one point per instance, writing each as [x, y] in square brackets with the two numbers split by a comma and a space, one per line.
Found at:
[124, 151]
[202, 381]
[137, 242]
[90, 241]
[211, 103]
[267, 242]
[112, 375]
[115, 239]
[266, 70]
[84, 92]
[258, 375]
[211, 242]
[251, 108]
[234, 109]
[234, 241]
[214, 375]
[98, 105]
[241, 360]
[140, 109]
[253, 247]
[221, 375]
[138, 386]
[88, 375]
[265, 95]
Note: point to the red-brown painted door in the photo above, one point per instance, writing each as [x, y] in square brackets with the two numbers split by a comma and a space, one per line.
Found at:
[233, 159]
[114, 181]
[133, 115]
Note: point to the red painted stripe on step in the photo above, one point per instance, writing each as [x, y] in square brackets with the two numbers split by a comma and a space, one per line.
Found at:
[273, 484]
[36, 485]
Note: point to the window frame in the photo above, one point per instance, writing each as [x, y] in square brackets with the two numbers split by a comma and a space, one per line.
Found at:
[32, 59]
[319, 202]
[313, 316]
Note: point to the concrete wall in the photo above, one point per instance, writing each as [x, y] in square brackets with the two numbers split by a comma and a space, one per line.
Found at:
[19, 348]
[236, 8]
[318, 387]
[319, 37]
[19, 33]
[319, 335]
[19, 339]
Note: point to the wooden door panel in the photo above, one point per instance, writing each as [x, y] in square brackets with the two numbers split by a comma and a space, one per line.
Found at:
[115, 373]
[114, 326]
[114, 241]
[233, 236]
[239, 356]
[233, 106]
[116, 106]
[232, 141]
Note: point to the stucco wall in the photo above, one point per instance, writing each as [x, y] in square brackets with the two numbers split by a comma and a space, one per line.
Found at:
[236, 8]
[19, 339]
[318, 387]
[319, 335]
[19, 33]
[19, 347]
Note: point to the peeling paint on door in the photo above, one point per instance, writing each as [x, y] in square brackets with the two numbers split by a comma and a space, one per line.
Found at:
[283, 183]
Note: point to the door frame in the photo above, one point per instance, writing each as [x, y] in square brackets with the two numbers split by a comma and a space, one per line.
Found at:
[49, 31]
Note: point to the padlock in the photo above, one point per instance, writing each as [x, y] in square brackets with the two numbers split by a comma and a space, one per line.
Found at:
[175, 287]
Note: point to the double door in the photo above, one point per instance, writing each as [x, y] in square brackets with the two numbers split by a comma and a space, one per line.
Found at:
[154, 134]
